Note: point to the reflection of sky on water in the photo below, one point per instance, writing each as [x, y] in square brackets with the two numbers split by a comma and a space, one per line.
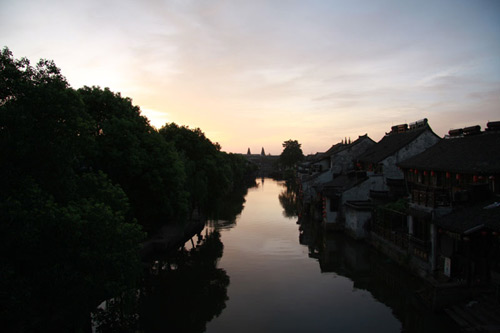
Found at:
[275, 286]
[264, 272]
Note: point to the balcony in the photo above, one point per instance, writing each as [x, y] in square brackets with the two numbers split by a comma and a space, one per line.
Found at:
[420, 248]
[399, 239]
[415, 246]
[431, 197]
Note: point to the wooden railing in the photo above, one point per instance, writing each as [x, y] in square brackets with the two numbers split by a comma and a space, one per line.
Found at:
[431, 197]
[418, 247]
[397, 238]
[421, 248]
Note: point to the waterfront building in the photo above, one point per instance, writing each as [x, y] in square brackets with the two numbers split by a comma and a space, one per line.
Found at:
[453, 219]
[384, 180]
[401, 143]
[320, 170]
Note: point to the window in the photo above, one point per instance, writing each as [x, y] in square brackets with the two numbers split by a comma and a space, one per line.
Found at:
[334, 203]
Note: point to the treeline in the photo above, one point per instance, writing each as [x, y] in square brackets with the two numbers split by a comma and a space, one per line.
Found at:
[84, 177]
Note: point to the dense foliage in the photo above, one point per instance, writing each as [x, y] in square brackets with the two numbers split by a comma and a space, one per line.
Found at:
[83, 174]
[135, 156]
[211, 174]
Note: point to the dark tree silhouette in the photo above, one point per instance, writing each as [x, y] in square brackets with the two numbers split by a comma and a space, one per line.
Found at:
[291, 155]
[67, 237]
[82, 173]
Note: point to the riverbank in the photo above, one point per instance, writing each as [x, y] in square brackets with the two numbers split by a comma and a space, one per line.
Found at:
[171, 237]
[287, 277]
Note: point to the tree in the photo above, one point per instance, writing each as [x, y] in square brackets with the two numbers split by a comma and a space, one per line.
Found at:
[291, 155]
[210, 173]
[137, 157]
[209, 177]
[80, 169]
[44, 132]
[67, 236]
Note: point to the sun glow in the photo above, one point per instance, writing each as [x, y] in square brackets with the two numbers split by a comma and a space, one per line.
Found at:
[254, 74]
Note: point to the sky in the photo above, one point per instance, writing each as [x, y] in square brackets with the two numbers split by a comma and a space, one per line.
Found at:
[254, 73]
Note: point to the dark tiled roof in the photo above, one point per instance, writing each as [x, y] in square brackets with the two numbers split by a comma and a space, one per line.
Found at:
[343, 182]
[360, 204]
[390, 144]
[319, 156]
[465, 220]
[340, 147]
[474, 154]
[314, 176]
[337, 148]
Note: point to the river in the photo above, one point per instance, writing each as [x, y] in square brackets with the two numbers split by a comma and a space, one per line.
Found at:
[264, 272]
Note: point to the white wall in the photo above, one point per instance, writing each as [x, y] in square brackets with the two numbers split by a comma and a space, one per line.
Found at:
[424, 141]
[330, 216]
[356, 221]
[342, 161]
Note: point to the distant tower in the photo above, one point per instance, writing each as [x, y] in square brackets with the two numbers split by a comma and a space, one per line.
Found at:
[262, 152]
[248, 152]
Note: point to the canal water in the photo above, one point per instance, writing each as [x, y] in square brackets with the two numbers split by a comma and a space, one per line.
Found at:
[286, 277]
[262, 271]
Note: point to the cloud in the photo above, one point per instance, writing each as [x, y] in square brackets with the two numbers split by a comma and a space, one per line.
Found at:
[318, 70]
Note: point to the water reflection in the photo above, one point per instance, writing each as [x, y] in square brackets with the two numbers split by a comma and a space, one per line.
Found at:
[226, 211]
[184, 299]
[179, 294]
[371, 271]
[276, 287]
[289, 200]
[322, 283]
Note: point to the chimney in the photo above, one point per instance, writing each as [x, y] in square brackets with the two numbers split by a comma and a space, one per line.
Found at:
[472, 130]
[399, 128]
[453, 133]
[493, 126]
[418, 124]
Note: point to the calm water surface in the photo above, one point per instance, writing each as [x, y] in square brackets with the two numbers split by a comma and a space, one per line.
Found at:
[263, 272]
[290, 278]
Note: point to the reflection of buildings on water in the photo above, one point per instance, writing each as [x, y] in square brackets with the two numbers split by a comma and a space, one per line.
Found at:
[371, 271]
[431, 204]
